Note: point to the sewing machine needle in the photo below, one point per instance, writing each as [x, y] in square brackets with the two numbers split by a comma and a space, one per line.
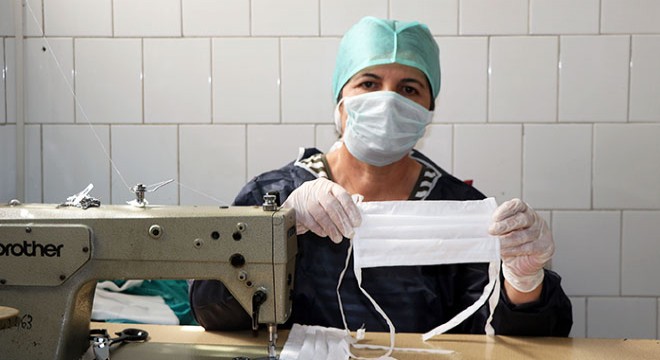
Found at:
[272, 340]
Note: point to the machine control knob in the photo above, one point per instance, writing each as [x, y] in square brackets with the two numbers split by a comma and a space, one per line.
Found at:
[237, 260]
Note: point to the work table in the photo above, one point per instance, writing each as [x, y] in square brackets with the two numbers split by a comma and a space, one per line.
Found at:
[192, 342]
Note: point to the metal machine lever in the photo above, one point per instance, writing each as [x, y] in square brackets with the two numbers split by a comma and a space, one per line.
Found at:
[258, 298]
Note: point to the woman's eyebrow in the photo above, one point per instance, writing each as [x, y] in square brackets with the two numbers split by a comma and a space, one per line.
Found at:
[412, 80]
[369, 75]
[404, 80]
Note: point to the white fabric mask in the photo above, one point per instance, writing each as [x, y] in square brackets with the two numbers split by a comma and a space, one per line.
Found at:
[316, 342]
[382, 126]
[307, 342]
[408, 233]
[413, 233]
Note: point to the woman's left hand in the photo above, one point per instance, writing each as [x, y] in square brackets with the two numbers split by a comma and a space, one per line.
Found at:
[526, 244]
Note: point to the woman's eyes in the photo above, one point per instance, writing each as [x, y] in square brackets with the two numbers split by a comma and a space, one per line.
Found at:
[369, 85]
[409, 90]
[405, 90]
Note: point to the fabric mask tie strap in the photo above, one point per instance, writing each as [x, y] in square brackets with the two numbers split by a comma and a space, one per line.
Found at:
[452, 229]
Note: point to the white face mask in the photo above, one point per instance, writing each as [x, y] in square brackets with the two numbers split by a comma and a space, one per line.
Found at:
[316, 342]
[404, 233]
[382, 126]
[408, 233]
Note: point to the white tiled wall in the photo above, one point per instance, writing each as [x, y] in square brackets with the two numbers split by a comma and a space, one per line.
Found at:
[554, 101]
[212, 163]
[33, 24]
[177, 80]
[593, 78]
[216, 17]
[275, 144]
[644, 78]
[48, 81]
[577, 234]
[306, 76]
[625, 317]
[285, 18]
[326, 136]
[337, 16]
[579, 328]
[139, 147]
[437, 144]
[78, 17]
[464, 88]
[51, 101]
[639, 254]
[73, 157]
[33, 163]
[630, 16]
[557, 166]
[243, 80]
[564, 16]
[8, 160]
[108, 80]
[147, 18]
[493, 17]
[523, 79]
[440, 15]
[626, 166]
[481, 150]
[3, 98]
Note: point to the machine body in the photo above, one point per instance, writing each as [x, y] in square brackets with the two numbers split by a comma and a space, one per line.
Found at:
[51, 258]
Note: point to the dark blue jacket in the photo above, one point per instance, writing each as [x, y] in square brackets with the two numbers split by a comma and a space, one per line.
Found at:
[416, 298]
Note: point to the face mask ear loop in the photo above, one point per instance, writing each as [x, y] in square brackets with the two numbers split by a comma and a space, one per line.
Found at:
[341, 279]
[358, 276]
[494, 271]
[357, 198]
[337, 118]
[341, 306]
[489, 292]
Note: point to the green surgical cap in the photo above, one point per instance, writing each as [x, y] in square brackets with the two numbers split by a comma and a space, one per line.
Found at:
[374, 41]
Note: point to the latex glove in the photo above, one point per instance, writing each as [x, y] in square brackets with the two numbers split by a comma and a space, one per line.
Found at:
[324, 208]
[526, 244]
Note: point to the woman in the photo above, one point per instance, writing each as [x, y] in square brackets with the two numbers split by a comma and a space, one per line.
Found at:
[385, 82]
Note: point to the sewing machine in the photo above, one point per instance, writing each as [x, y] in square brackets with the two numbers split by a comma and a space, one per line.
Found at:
[51, 258]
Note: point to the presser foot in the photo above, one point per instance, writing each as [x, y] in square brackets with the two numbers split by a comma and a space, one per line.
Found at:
[272, 342]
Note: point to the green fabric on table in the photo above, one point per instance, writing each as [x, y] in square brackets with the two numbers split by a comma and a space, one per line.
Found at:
[174, 292]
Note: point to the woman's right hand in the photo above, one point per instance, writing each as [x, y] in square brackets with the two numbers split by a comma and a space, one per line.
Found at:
[324, 208]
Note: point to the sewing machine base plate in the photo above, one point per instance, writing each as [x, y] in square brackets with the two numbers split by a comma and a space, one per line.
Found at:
[165, 351]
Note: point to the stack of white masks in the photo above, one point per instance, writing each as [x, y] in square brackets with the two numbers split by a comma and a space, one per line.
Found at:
[316, 342]
[412, 233]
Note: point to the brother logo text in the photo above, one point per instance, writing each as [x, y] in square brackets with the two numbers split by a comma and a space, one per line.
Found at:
[30, 249]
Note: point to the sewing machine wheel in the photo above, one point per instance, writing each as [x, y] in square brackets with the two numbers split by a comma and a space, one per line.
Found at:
[8, 317]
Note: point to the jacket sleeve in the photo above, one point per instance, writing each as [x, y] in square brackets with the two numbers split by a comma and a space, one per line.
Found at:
[551, 315]
[215, 308]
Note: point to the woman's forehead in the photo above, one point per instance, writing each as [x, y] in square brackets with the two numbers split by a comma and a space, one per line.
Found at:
[394, 69]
